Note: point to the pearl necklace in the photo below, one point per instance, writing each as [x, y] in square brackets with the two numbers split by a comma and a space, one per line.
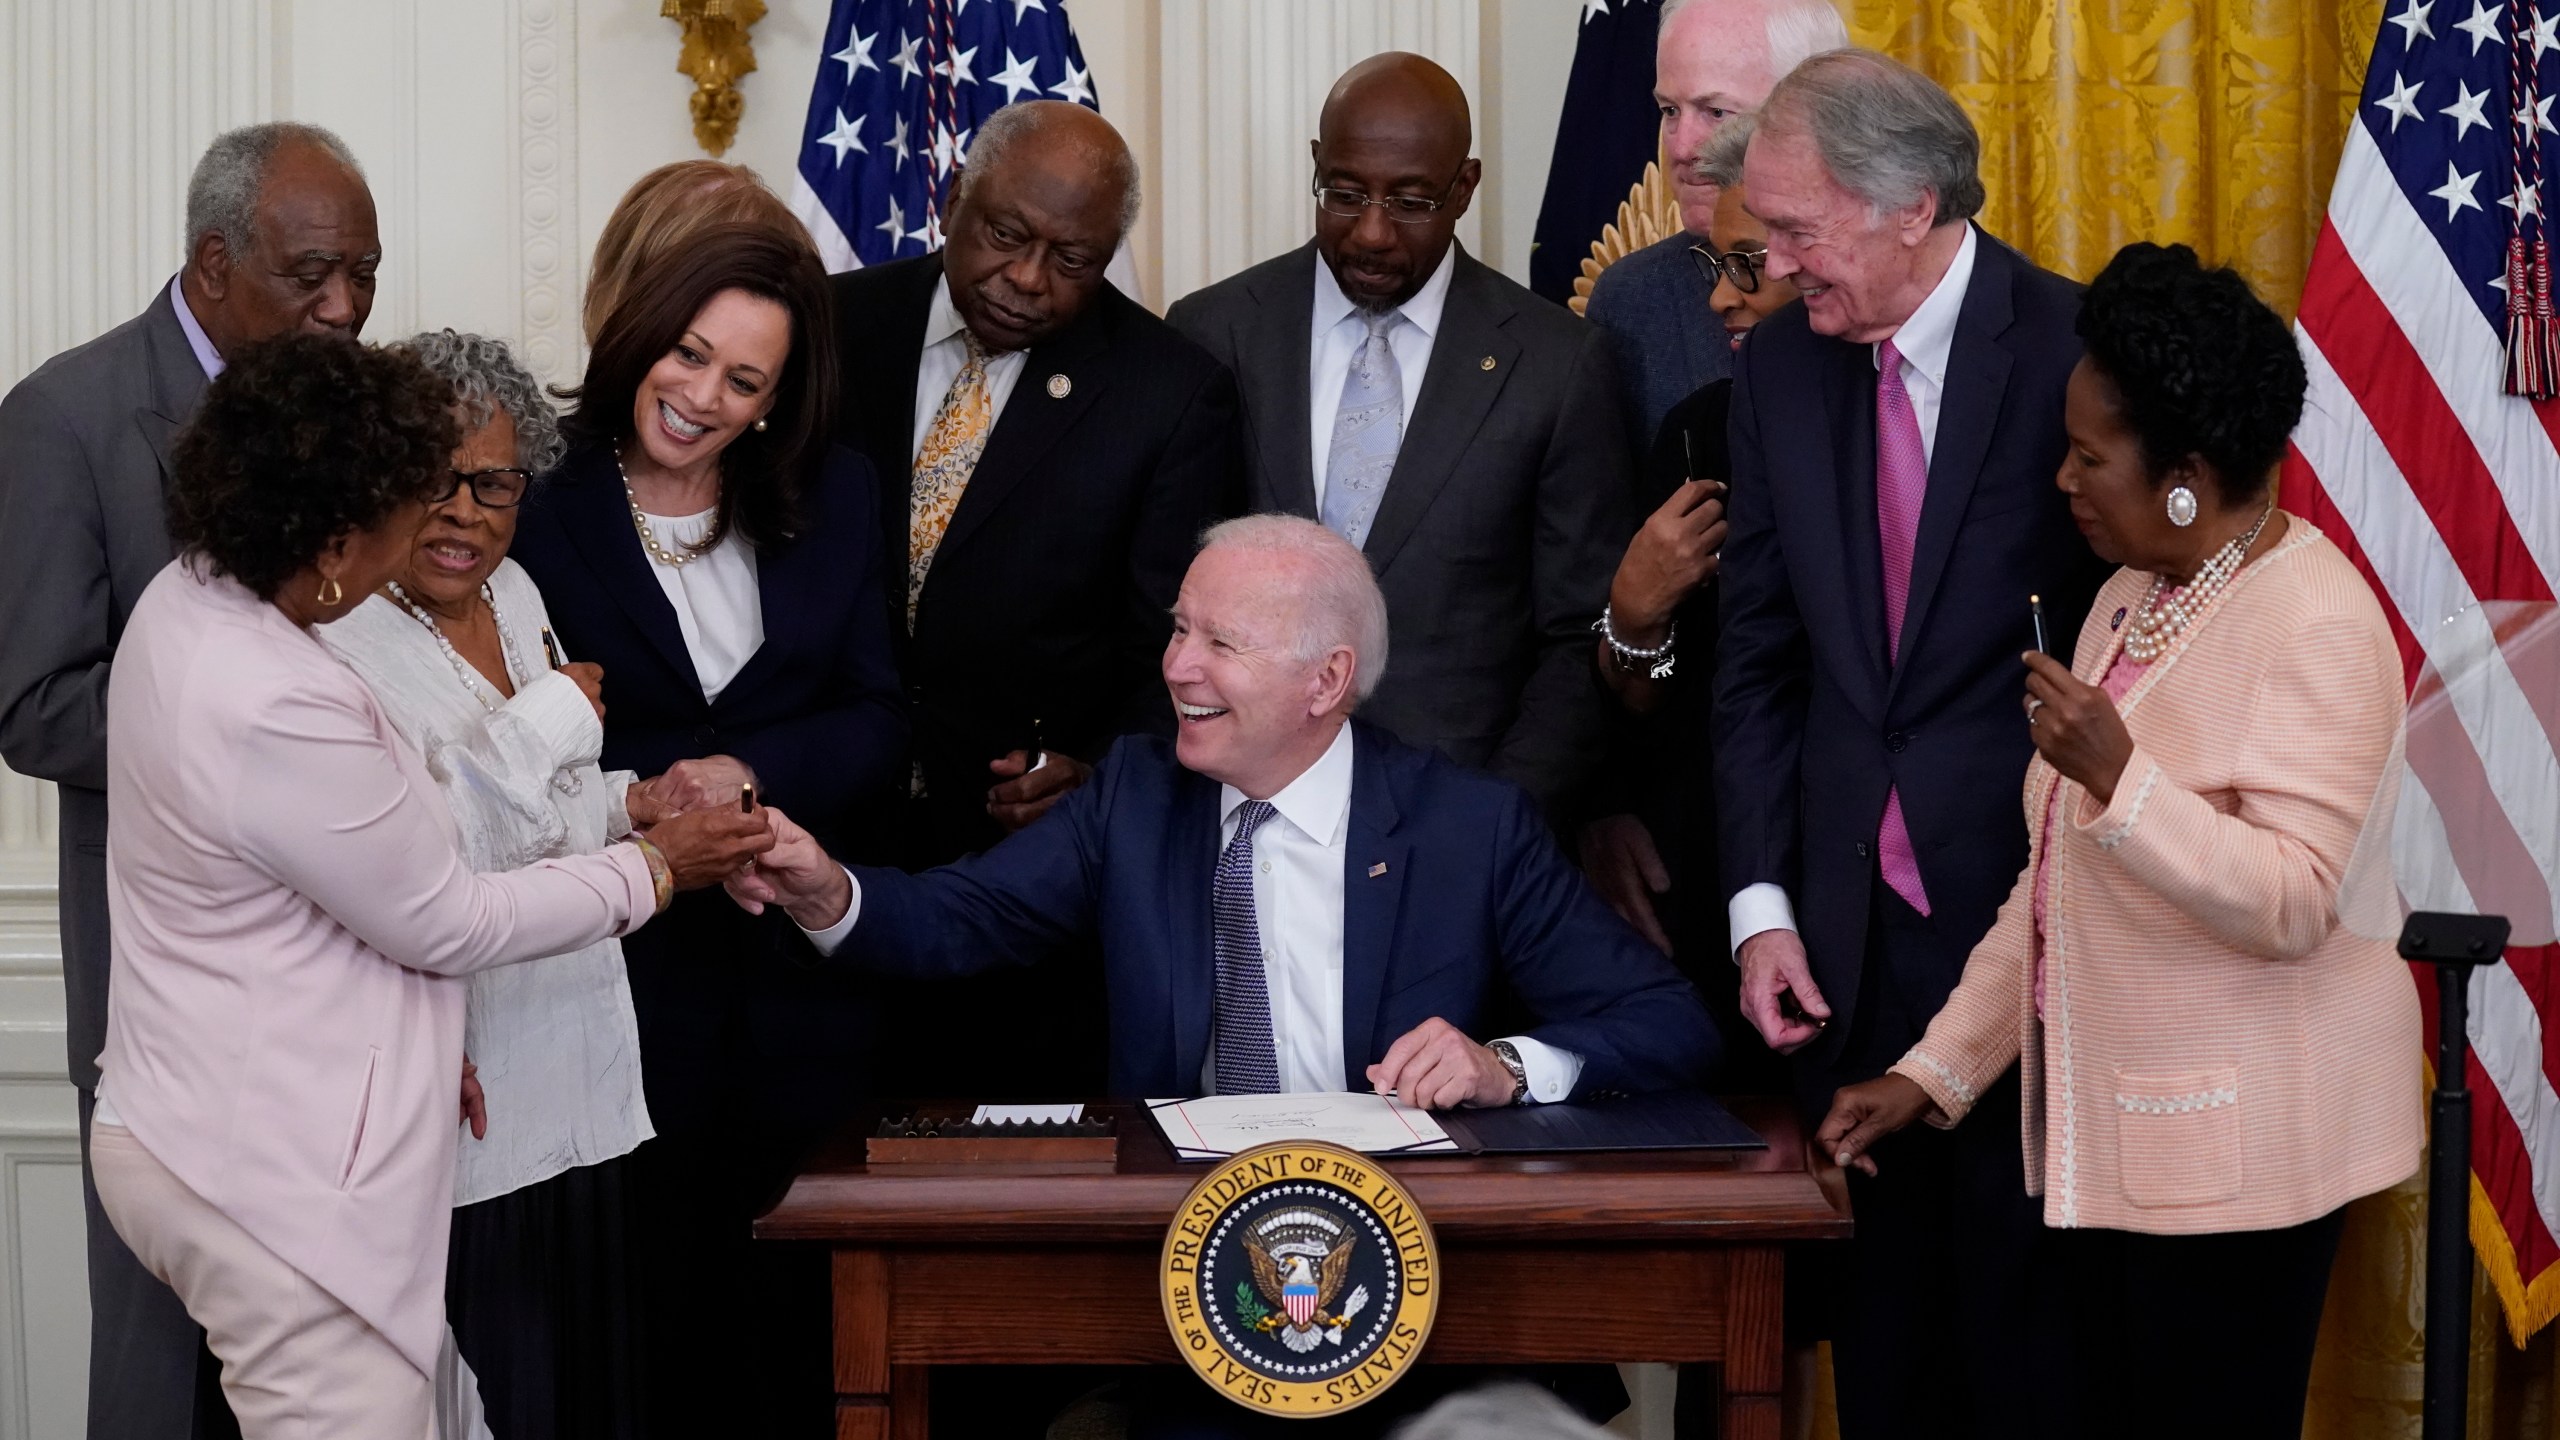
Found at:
[564, 780]
[2166, 613]
[673, 560]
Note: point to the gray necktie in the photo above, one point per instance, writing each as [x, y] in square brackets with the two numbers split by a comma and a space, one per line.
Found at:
[1366, 431]
[1240, 1023]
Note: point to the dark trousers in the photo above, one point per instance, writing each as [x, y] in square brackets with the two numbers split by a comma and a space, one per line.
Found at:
[151, 1376]
[539, 1291]
[2198, 1336]
[1928, 1305]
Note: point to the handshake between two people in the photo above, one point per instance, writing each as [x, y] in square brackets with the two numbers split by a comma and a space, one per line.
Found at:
[1434, 1066]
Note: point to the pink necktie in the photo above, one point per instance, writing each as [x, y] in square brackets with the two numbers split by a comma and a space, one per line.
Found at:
[1902, 478]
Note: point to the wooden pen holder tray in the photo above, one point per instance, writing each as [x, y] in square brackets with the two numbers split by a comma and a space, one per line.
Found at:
[956, 1141]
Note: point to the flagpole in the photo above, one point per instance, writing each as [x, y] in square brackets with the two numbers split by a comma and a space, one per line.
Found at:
[2455, 945]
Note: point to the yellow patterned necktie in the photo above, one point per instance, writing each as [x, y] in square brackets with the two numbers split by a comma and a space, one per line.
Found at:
[943, 465]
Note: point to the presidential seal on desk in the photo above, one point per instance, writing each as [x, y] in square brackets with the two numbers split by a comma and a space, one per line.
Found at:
[1300, 1279]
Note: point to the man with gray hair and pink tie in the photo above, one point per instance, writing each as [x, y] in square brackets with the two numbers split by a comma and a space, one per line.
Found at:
[1894, 442]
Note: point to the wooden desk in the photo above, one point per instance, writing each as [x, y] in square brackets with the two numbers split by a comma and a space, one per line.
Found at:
[1595, 1258]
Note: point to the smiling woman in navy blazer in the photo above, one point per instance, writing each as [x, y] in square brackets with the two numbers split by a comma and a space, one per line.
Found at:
[708, 546]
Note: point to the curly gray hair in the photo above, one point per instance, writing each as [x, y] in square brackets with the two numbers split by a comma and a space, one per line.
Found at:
[487, 377]
[1012, 122]
[222, 194]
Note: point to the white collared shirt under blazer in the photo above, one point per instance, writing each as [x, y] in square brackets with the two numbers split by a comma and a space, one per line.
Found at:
[2218, 1052]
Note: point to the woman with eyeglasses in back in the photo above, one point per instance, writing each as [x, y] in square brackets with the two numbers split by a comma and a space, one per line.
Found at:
[1653, 853]
[458, 649]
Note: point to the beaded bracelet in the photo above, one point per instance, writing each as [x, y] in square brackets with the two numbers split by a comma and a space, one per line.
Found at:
[661, 874]
[1657, 659]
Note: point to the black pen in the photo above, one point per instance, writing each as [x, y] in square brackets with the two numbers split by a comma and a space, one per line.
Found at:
[747, 799]
[551, 649]
[2035, 609]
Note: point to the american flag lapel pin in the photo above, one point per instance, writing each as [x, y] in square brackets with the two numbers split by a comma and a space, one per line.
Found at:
[1378, 869]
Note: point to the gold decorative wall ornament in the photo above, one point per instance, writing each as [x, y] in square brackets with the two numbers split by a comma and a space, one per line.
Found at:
[717, 54]
[1651, 213]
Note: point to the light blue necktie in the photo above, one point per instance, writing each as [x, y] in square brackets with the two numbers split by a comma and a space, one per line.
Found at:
[1367, 429]
[1240, 1023]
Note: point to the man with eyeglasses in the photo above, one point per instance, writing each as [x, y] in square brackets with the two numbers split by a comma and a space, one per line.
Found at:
[1462, 432]
[281, 237]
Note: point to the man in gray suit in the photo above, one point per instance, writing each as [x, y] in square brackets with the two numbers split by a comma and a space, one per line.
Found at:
[1712, 59]
[280, 237]
[1461, 431]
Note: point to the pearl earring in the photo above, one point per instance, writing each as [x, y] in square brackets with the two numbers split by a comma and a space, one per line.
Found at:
[760, 426]
[2182, 506]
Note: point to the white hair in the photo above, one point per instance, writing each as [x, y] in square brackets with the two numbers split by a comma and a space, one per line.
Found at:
[222, 194]
[1720, 159]
[1886, 132]
[1797, 30]
[1501, 1412]
[1340, 603]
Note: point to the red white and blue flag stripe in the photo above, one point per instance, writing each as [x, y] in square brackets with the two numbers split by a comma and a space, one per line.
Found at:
[2430, 452]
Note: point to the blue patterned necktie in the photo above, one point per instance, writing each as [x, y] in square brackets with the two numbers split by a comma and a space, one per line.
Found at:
[1367, 430]
[1240, 1025]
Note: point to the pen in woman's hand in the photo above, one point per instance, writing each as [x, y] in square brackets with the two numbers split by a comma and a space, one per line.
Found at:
[747, 798]
[551, 649]
[2035, 610]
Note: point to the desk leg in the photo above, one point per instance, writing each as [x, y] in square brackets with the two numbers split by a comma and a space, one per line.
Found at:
[1755, 1343]
[910, 1402]
[865, 1394]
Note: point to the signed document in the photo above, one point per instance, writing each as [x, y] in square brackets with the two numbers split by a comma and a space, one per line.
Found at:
[1218, 1126]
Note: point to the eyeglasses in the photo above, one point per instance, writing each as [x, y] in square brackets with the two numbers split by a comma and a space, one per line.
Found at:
[1740, 266]
[1402, 209]
[499, 489]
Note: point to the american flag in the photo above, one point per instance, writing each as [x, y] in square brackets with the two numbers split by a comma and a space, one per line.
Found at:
[902, 87]
[2425, 454]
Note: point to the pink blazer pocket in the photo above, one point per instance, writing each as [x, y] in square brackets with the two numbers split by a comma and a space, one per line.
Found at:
[2178, 1137]
[364, 1112]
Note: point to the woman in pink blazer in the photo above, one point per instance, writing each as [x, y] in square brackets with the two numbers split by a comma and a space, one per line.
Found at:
[2213, 1065]
[275, 1131]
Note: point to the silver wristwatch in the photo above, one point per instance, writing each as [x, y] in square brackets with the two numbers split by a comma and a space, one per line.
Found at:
[1510, 1058]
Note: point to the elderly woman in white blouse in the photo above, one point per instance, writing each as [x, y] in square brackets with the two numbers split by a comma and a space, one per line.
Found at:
[459, 652]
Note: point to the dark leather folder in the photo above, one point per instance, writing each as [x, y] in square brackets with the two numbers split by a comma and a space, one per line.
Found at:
[1666, 1120]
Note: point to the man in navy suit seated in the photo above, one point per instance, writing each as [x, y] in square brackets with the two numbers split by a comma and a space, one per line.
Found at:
[1286, 899]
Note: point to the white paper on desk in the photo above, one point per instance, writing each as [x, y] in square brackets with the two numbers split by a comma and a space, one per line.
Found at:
[1027, 1115]
[1221, 1125]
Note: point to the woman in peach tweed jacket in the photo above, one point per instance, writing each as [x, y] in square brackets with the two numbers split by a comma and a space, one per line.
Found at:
[2213, 1066]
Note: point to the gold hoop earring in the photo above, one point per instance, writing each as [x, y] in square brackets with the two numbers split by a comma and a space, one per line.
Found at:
[331, 593]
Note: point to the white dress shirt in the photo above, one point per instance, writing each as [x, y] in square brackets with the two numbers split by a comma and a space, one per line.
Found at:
[715, 598]
[945, 353]
[1298, 858]
[1925, 341]
[1340, 328]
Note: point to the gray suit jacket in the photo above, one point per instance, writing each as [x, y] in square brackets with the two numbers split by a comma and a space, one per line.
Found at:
[1665, 338]
[1510, 503]
[82, 531]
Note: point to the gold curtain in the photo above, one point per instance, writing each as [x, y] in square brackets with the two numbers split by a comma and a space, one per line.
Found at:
[2214, 122]
[2217, 123]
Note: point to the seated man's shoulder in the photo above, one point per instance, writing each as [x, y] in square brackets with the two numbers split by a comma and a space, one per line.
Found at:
[1438, 790]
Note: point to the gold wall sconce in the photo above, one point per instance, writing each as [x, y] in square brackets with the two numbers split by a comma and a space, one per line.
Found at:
[717, 53]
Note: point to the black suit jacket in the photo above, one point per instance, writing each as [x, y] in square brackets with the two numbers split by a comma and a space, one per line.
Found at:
[1048, 599]
[724, 1021]
[1812, 725]
[1510, 503]
[1452, 889]
[82, 491]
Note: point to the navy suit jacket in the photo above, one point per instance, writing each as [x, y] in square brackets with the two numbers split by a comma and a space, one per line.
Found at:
[1469, 893]
[1812, 725]
[816, 711]
[1666, 337]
